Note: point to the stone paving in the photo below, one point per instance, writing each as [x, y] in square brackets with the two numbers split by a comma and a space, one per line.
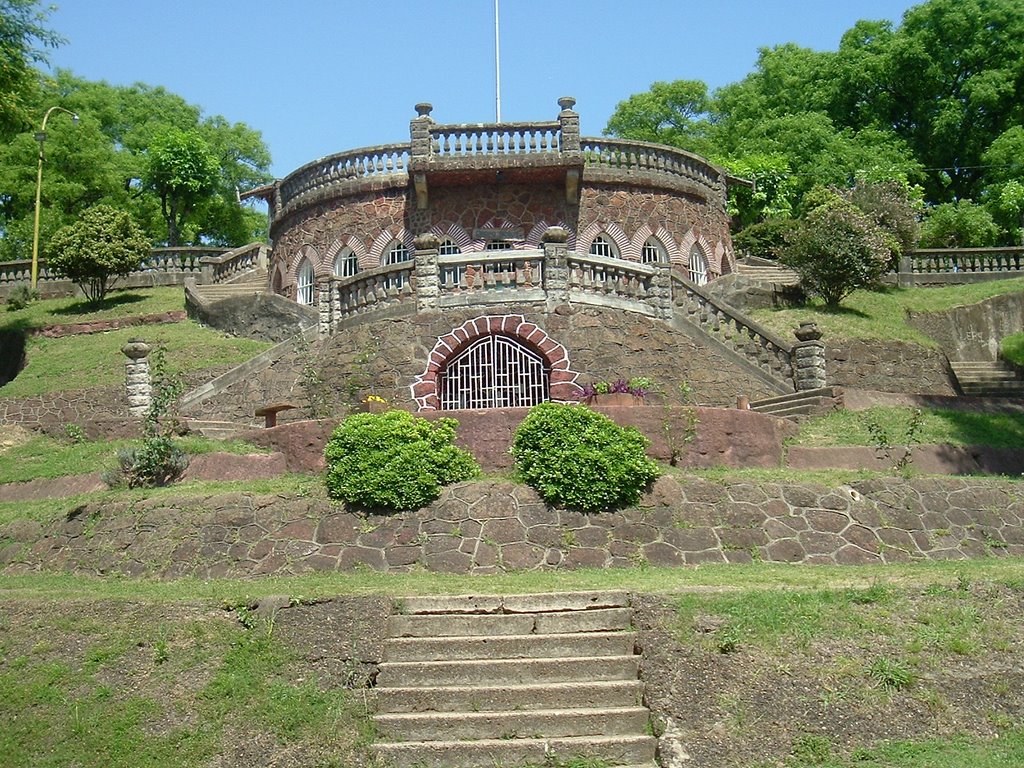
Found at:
[492, 526]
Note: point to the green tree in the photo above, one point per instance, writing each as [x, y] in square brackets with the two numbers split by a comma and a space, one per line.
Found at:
[836, 249]
[102, 245]
[183, 172]
[893, 207]
[669, 113]
[963, 224]
[23, 38]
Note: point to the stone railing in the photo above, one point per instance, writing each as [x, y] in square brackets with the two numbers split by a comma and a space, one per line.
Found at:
[951, 266]
[596, 279]
[179, 259]
[490, 272]
[20, 271]
[494, 139]
[736, 331]
[369, 291]
[221, 268]
[641, 157]
[365, 163]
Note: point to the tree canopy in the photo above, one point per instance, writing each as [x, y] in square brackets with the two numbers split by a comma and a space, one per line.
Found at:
[106, 157]
[23, 40]
[935, 101]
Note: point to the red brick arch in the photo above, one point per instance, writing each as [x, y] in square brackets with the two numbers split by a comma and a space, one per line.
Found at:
[563, 378]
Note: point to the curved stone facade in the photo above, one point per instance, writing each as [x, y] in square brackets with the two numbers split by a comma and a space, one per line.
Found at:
[473, 185]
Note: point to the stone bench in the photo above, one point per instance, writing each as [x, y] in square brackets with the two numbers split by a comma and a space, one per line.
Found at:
[269, 413]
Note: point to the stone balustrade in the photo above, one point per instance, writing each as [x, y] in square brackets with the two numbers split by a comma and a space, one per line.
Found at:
[769, 352]
[370, 162]
[223, 266]
[20, 271]
[596, 277]
[494, 139]
[634, 157]
[164, 260]
[490, 272]
[951, 260]
[370, 291]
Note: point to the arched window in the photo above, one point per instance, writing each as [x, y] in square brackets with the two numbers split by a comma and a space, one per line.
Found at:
[346, 263]
[304, 283]
[493, 372]
[653, 252]
[396, 253]
[448, 247]
[602, 245]
[698, 266]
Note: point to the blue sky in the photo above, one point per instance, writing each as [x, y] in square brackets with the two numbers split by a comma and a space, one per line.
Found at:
[318, 77]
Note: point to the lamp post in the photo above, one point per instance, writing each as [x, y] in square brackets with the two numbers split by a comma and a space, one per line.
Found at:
[41, 137]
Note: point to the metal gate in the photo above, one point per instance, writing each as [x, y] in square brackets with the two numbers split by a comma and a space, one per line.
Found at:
[493, 372]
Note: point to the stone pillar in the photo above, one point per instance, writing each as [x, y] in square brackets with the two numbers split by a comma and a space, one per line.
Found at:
[905, 275]
[556, 266]
[661, 291]
[427, 271]
[137, 382]
[419, 131]
[570, 125]
[324, 306]
[809, 358]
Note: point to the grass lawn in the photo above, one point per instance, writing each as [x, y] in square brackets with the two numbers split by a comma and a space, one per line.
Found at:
[882, 314]
[95, 360]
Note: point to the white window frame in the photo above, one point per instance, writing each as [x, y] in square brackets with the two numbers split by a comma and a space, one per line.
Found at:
[396, 253]
[603, 245]
[305, 279]
[698, 266]
[346, 263]
[653, 252]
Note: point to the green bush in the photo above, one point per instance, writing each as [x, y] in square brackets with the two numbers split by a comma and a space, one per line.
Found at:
[21, 296]
[394, 460]
[576, 457]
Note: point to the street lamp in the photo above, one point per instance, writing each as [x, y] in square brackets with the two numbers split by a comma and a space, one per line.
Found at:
[41, 137]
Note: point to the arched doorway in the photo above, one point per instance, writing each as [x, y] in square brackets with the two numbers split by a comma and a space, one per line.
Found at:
[495, 371]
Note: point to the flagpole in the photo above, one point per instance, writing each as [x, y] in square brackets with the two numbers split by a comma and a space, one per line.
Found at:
[497, 68]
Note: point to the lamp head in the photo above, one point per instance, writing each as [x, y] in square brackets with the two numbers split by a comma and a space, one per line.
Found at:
[74, 118]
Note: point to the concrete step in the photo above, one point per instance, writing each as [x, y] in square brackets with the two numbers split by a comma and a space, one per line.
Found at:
[406, 674]
[554, 622]
[494, 697]
[217, 430]
[462, 726]
[542, 603]
[792, 397]
[509, 646]
[511, 753]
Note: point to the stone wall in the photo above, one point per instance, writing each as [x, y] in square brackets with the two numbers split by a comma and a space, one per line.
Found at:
[493, 526]
[385, 356]
[101, 412]
[973, 333]
[887, 366]
[258, 316]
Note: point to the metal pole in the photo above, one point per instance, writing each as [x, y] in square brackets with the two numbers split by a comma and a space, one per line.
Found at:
[41, 137]
[497, 67]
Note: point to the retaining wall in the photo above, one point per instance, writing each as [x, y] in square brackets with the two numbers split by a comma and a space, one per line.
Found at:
[487, 527]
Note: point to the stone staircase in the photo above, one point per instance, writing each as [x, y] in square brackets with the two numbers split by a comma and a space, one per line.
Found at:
[988, 379]
[511, 681]
[811, 402]
[763, 273]
[247, 283]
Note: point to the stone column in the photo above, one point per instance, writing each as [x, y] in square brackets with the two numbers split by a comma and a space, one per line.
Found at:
[324, 306]
[661, 291]
[419, 131]
[556, 266]
[427, 271]
[138, 385]
[809, 358]
[570, 125]
[905, 273]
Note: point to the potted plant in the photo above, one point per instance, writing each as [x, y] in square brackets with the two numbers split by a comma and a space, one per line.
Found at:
[374, 404]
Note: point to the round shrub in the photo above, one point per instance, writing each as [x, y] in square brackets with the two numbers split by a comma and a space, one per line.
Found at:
[576, 457]
[394, 460]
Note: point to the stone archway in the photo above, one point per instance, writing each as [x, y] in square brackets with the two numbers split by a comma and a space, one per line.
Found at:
[561, 381]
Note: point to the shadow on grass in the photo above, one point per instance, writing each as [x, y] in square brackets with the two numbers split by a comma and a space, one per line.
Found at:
[840, 311]
[109, 302]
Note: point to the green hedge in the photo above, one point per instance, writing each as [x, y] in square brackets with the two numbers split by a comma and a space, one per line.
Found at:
[394, 460]
[576, 457]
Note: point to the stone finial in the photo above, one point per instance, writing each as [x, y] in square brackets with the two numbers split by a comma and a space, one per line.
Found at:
[136, 349]
[567, 102]
[423, 109]
[808, 331]
[426, 241]
[555, 235]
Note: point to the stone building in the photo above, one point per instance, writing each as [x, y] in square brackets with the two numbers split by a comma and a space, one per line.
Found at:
[500, 265]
